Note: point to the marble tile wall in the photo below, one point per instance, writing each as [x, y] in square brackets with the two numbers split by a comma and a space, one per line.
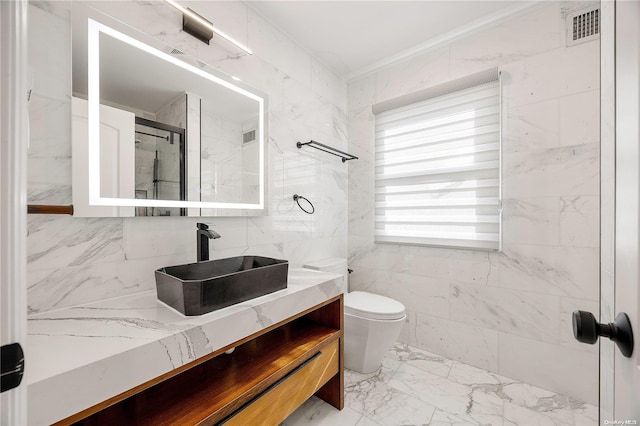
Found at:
[507, 312]
[77, 260]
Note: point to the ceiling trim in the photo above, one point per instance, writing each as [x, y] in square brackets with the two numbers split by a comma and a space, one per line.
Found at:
[259, 14]
[445, 38]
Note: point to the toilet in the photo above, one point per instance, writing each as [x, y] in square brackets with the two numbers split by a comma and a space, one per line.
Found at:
[371, 322]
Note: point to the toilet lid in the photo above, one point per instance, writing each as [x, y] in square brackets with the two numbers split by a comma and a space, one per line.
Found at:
[372, 306]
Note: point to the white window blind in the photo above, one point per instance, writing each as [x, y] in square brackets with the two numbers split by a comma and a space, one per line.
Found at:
[437, 170]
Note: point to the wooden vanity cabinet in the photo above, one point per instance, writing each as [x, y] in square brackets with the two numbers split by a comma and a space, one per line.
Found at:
[268, 376]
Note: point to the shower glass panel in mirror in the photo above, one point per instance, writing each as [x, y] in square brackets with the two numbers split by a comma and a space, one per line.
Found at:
[159, 166]
[157, 132]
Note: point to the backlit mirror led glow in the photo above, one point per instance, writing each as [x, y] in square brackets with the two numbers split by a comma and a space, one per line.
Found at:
[97, 30]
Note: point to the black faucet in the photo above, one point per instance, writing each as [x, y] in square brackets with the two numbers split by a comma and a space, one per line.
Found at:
[203, 235]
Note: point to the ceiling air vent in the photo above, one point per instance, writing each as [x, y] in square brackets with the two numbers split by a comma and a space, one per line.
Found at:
[583, 25]
[249, 136]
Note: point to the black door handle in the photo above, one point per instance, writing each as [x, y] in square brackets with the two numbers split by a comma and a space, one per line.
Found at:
[12, 366]
[586, 330]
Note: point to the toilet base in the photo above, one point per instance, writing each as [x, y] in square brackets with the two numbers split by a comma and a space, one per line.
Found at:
[366, 341]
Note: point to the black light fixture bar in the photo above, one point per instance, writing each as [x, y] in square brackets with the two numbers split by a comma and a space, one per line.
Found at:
[201, 28]
[326, 148]
[196, 27]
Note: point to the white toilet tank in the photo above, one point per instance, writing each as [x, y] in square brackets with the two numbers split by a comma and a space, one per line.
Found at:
[371, 322]
[335, 265]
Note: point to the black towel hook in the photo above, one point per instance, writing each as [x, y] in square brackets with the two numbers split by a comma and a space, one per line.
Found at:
[297, 199]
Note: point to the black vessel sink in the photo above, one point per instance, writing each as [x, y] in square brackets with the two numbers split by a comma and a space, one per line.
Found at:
[198, 288]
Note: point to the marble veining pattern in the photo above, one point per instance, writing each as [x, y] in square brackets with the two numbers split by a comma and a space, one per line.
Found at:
[508, 311]
[56, 243]
[77, 261]
[99, 350]
[415, 387]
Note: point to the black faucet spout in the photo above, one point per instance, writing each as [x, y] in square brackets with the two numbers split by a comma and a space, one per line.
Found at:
[203, 235]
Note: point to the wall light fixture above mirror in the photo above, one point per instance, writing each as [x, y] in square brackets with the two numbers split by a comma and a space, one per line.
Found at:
[158, 133]
[201, 28]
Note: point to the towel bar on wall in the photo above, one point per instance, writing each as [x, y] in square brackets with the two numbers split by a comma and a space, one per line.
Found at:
[326, 148]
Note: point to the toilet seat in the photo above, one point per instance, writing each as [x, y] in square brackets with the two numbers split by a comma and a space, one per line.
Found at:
[373, 306]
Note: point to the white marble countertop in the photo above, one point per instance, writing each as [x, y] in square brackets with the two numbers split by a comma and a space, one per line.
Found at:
[80, 356]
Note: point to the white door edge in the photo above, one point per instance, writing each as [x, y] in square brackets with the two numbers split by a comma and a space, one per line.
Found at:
[627, 227]
[607, 203]
[14, 139]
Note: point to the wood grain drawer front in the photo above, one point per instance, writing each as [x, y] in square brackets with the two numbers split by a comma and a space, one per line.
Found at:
[273, 406]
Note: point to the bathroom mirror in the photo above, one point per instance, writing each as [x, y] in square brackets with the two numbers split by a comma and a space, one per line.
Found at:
[158, 133]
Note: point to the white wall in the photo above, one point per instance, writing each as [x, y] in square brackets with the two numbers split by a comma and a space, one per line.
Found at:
[508, 312]
[607, 204]
[78, 260]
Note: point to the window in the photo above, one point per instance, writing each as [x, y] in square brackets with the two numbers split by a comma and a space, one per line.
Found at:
[437, 168]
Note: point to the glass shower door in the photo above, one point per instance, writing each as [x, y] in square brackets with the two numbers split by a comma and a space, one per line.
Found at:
[160, 166]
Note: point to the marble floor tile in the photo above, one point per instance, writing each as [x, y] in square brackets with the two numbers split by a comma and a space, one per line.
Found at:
[541, 401]
[473, 376]
[386, 406]
[398, 408]
[383, 374]
[583, 413]
[416, 387]
[460, 400]
[521, 416]
[316, 412]
[366, 421]
[421, 359]
[442, 418]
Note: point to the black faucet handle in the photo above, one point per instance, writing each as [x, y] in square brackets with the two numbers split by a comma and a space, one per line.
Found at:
[202, 226]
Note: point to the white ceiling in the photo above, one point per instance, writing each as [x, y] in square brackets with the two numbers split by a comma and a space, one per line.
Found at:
[353, 37]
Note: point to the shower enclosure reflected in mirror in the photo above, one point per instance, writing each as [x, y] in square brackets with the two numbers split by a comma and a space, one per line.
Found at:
[160, 133]
[159, 166]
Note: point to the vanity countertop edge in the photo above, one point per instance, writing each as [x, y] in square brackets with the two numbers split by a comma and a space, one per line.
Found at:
[80, 356]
